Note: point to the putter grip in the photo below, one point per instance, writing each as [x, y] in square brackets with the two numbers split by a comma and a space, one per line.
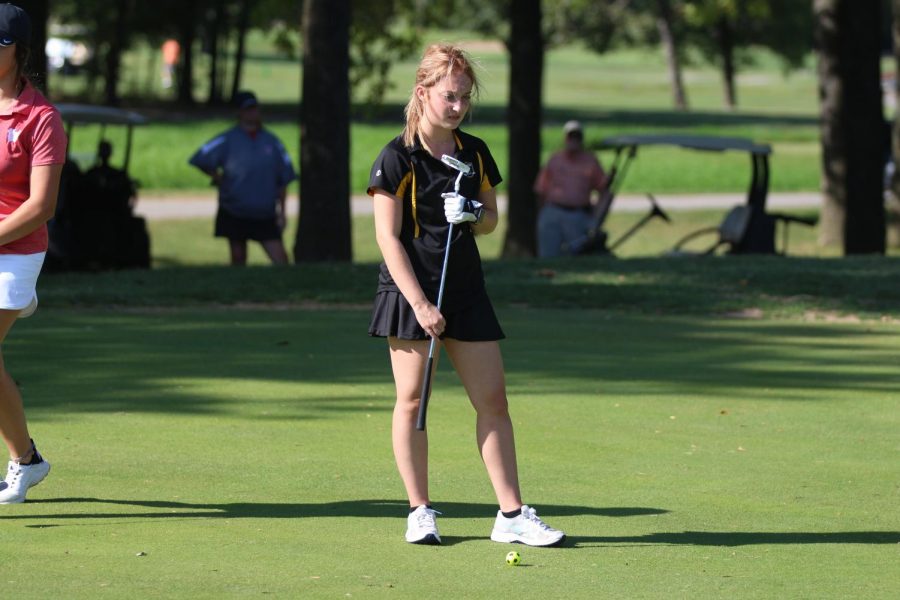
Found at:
[426, 391]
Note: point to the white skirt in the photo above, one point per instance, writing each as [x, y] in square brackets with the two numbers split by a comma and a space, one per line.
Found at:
[18, 278]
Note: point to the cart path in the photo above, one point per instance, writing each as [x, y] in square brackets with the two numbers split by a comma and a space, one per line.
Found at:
[194, 206]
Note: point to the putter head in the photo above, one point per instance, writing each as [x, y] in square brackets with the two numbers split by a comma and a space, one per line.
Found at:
[457, 164]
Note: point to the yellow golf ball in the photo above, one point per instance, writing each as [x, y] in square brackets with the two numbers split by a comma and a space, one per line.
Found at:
[513, 559]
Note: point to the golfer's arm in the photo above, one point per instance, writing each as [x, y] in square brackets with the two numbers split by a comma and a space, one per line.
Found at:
[489, 223]
[37, 209]
[388, 220]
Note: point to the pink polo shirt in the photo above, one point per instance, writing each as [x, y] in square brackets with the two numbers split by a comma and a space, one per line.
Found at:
[35, 136]
[568, 179]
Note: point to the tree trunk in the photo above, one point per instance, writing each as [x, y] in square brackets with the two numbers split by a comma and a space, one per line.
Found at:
[725, 38]
[526, 61]
[893, 206]
[834, 168]
[324, 229]
[852, 124]
[216, 26]
[667, 38]
[114, 50]
[39, 12]
[187, 33]
[243, 22]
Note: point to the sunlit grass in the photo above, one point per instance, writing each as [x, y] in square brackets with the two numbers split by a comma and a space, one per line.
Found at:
[621, 92]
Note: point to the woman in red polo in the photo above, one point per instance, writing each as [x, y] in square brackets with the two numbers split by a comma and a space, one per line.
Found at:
[31, 162]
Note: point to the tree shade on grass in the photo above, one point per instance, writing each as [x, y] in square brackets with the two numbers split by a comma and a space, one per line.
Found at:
[860, 288]
[205, 453]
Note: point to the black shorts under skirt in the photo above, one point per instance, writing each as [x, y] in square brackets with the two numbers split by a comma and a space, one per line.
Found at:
[392, 316]
[240, 228]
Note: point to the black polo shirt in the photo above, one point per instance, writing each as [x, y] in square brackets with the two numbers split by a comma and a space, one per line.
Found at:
[419, 179]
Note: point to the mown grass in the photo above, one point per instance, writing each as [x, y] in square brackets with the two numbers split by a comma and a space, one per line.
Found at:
[753, 286]
[210, 452]
[722, 427]
[716, 427]
[719, 427]
[575, 77]
[622, 92]
[161, 153]
[189, 242]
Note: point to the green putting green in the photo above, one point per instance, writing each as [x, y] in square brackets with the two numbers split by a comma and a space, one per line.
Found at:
[213, 452]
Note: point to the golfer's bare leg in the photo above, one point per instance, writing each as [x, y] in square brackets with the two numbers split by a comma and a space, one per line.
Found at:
[480, 367]
[13, 427]
[275, 250]
[410, 445]
[238, 252]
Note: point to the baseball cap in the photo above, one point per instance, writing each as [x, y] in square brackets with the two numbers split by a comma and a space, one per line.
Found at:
[15, 26]
[571, 126]
[245, 99]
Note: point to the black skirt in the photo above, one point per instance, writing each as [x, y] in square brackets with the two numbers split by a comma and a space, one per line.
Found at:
[392, 316]
[239, 228]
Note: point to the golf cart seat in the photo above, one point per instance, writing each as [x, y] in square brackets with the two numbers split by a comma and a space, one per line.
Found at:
[746, 229]
[730, 231]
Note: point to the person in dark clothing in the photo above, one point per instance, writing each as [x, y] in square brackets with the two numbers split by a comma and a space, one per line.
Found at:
[414, 205]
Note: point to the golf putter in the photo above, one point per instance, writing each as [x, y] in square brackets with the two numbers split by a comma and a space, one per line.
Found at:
[463, 169]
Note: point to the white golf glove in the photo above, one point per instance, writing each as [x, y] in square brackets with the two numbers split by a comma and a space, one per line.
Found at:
[458, 209]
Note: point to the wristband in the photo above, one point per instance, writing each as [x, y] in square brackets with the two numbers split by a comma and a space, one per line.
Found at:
[476, 208]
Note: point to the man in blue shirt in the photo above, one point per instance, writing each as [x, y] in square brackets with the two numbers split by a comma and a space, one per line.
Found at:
[252, 169]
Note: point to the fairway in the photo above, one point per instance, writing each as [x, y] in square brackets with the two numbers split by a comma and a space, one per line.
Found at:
[216, 452]
[701, 425]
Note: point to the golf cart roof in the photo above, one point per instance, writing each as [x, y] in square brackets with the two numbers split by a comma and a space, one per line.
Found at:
[695, 142]
[106, 115]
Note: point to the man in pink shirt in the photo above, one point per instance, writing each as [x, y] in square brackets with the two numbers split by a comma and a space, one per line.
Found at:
[564, 187]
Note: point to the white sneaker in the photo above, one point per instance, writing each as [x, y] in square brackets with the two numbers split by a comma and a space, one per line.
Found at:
[527, 528]
[421, 527]
[19, 478]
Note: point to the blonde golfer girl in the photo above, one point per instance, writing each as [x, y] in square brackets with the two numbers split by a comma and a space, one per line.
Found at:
[415, 203]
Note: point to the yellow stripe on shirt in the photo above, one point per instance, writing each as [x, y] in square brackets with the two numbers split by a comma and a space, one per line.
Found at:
[485, 182]
[401, 188]
[409, 179]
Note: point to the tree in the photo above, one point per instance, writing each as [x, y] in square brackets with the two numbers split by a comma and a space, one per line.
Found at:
[893, 208]
[603, 25]
[666, 27]
[216, 39]
[324, 229]
[116, 45]
[853, 126]
[186, 24]
[382, 34]
[526, 66]
[109, 27]
[39, 12]
[716, 30]
[723, 31]
[243, 23]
